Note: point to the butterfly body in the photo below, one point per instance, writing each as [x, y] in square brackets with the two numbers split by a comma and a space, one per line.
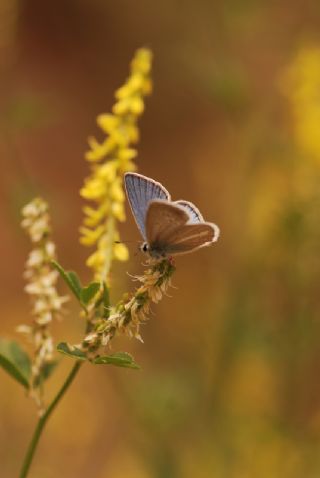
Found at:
[168, 227]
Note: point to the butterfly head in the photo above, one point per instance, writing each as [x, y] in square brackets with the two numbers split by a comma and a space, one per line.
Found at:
[153, 251]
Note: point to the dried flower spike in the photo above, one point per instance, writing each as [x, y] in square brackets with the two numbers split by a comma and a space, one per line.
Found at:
[41, 286]
[130, 313]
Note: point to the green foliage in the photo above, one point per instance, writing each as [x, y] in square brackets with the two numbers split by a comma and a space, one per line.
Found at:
[74, 283]
[15, 361]
[70, 278]
[72, 352]
[83, 294]
[120, 359]
[88, 293]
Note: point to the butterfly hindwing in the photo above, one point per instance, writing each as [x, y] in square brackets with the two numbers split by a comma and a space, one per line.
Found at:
[162, 218]
[193, 211]
[140, 191]
[190, 237]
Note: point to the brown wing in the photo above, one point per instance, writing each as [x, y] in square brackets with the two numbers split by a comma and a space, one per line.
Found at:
[163, 217]
[190, 237]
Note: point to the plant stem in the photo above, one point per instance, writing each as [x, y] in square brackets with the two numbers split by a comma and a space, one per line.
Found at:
[43, 420]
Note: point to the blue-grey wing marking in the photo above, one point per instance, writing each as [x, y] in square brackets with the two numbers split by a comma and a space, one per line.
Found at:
[140, 191]
[193, 212]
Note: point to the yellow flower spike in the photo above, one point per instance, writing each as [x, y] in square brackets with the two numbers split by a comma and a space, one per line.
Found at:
[135, 84]
[107, 122]
[126, 154]
[137, 106]
[137, 81]
[142, 61]
[94, 216]
[130, 133]
[127, 166]
[91, 236]
[116, 191]
[108, 171]
[96, 260]
[99, 151]
[147, 87]
[122, 107]
[109, 160]
[120, 252]
[93, 190]
[118, 211]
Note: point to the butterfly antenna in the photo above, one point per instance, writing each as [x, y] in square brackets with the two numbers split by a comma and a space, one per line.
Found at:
[125, 242]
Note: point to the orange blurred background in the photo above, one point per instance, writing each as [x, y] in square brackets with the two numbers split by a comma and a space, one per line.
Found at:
[229, 385]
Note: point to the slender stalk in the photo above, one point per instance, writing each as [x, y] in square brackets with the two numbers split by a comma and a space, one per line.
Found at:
[43, 420]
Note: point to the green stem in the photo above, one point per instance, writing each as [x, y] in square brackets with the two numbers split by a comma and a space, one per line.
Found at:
[43, 420]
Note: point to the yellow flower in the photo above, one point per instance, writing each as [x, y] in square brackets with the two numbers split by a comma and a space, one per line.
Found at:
[120, 252]
[301, 83]
[109, 160]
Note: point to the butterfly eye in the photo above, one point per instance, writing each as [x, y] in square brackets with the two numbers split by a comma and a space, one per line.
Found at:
[144, 247]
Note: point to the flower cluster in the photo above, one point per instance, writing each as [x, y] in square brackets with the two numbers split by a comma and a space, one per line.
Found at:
[41, 282]
[109, 161]
[131, 312]
[301, 83]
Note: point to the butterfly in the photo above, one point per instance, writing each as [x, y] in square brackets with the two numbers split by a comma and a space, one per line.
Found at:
[167, 227]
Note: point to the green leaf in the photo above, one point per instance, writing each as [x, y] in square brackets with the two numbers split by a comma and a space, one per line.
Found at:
[120, 359]
[73, 352]
[71, 279]
[46, 371]
[106, 301]
[15, 361]
[87, 293]
[75, 281]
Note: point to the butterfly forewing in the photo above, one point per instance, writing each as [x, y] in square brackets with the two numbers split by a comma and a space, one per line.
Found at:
[140, 191]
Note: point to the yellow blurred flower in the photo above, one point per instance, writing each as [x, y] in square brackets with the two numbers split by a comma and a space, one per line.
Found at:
[109, 161]
[301, 84]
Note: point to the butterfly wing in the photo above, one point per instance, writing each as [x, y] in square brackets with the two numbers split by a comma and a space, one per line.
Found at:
[169, 231]
[163, 217]
[140, 191]
[189, 237]
[192, 210]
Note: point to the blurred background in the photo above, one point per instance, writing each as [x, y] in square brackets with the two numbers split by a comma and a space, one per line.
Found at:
[229, 386]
